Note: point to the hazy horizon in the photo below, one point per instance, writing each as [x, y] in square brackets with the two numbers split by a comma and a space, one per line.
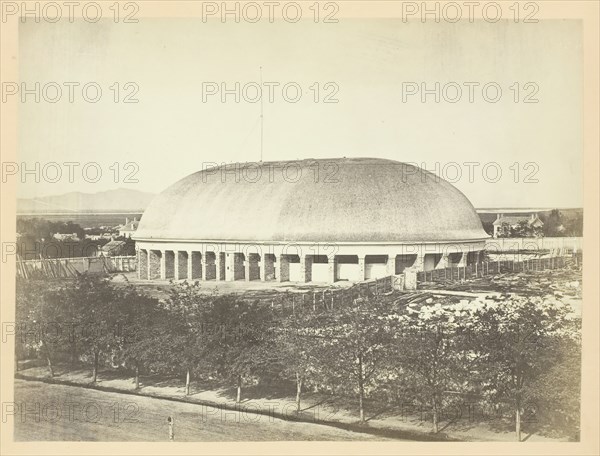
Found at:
[479, 209]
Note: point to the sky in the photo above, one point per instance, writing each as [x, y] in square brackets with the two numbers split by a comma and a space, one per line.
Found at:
[371, 65]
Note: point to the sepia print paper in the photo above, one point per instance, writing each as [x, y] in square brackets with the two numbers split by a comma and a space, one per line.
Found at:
[288, 227]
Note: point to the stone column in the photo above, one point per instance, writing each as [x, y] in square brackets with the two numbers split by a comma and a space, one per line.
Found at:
[332, 269]
[283, 269]
[303, 268]
[271, 268]
[142, 264]
[163, 266]
[410, 278]
[239, 268]
[176, 264]
[203, 266]
[444, 261]
[189, 264]
[391, 264]
[218, 266]
[154, 264]
[361, 268]
[306, 262]
[229, 267]
[262, 264]
[253, 271]
[247, 268]
[208, 265]
[419, 263]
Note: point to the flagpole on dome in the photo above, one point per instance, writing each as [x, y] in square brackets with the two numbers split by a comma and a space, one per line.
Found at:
[261, 117]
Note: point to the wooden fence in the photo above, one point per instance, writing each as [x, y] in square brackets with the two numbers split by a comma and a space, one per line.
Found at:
[72, 267]
[330, 298]
[496, 267]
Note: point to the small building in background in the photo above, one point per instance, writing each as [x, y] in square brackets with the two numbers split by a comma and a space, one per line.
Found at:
[66, 237]
[505, 225]
[98, 237]
[129, 228]
[113, 248]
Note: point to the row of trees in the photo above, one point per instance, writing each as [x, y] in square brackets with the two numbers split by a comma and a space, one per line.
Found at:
[515, 352]
[39, 228]
[557, 223]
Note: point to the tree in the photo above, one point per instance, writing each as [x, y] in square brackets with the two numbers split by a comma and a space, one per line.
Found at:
[40, 319]
[143, 321]
[181, 337]
[297, 349]
[240, 343]
[431, 354]
[36, 239]
[353, 342]
[519, 341]
[553, 224]
[98, 318]
[556, 390]
[574, 225]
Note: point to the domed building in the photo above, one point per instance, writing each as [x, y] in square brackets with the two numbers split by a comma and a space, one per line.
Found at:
[307, 221]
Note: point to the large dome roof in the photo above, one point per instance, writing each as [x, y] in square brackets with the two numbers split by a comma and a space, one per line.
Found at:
[336, 200]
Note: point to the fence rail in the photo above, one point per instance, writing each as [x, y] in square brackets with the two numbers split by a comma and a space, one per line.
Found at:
[72, 267]
[331, 298]
[496, 267]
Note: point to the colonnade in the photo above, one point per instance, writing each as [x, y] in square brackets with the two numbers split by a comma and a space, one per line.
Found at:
[190, 264]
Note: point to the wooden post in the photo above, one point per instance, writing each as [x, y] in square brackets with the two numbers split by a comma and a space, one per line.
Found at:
[187, 383]
[171, 424]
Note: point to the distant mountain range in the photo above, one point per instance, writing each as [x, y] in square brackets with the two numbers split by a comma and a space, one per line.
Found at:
[118, 200]
[134, 201]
